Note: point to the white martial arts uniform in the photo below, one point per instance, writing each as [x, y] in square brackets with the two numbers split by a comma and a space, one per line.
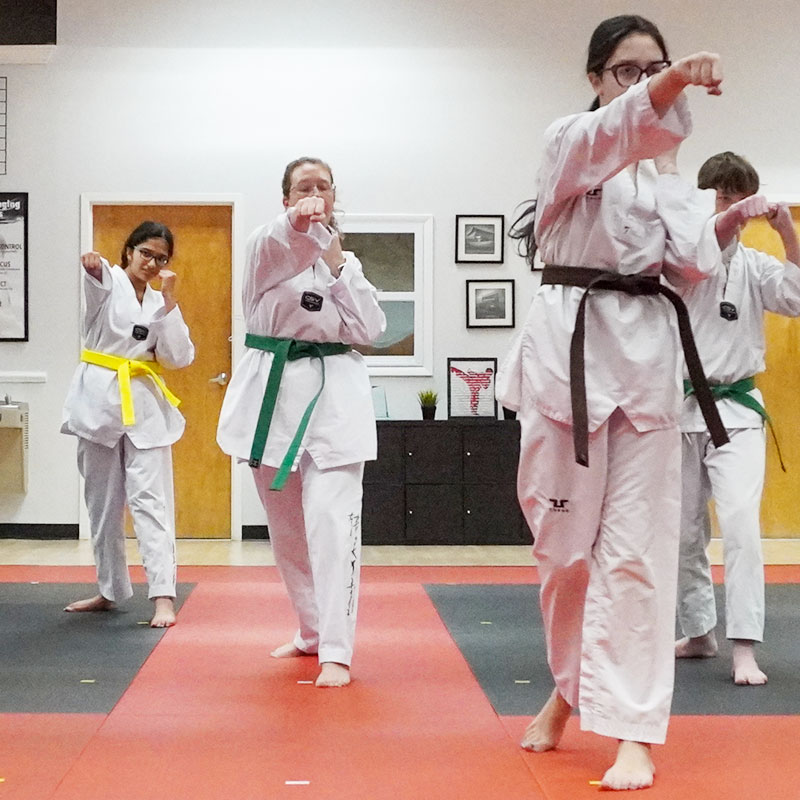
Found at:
[733, 475]
[606, 536]
[132, 463]
[315, 521]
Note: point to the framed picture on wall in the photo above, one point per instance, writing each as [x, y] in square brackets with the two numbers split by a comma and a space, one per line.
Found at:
[470, 387]
[14, 267]
[490, 304]
[480, 239]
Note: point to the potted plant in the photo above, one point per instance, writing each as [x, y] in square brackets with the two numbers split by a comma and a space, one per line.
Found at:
[427, 402]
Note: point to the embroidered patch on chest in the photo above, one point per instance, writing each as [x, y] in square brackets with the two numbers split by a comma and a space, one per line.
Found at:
[311, 301]
[140, 332]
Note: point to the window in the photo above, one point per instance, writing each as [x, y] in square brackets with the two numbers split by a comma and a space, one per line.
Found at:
[396, 252]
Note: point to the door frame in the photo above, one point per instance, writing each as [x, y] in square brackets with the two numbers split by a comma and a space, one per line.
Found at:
[236, 203]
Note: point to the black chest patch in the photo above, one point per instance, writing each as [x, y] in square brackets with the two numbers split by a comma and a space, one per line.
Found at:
[728, 311]
[311, 301]
[140, 332]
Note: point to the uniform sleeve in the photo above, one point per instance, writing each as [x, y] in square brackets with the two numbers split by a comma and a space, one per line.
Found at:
[685, 212]
[585, 150]
[174, 348]
[96, 294]
[779, 284]
[277, 252]
[356, 299]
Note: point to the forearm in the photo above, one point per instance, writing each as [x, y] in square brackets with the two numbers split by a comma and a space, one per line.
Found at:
[726, 227]
[664, 89]
[792, 245]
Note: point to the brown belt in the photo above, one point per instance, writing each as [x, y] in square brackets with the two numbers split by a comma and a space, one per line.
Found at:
[590, 278]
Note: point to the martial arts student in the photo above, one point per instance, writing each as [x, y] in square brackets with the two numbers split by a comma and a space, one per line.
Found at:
[727, 313]
[606, 529]
[125, 417]
[299, 409]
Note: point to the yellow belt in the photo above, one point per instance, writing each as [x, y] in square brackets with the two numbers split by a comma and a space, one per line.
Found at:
[125, 368]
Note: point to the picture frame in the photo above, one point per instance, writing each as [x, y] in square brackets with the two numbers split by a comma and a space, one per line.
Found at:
[470, 388]
[14, 267]
[480, 239]
[490, 304]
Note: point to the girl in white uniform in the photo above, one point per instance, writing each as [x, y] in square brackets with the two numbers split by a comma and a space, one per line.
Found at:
[125, 418]
[727, 313]
[606, 536]
[306, 299]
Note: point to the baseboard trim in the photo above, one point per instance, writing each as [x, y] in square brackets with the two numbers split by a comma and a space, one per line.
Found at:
[255, 532]
[37, 530]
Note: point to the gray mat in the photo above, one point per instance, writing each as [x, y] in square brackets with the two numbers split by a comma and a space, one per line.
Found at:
[509, 661]
[46, 653]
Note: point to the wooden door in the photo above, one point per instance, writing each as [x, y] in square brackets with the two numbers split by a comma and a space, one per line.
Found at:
[202, 261]
[780, 385]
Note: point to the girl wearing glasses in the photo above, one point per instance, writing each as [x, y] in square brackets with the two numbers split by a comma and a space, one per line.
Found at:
[299, 409]
[125, 417]
[606, 528]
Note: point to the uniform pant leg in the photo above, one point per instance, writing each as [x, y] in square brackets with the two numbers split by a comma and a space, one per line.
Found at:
[287, 533]
[561, 501]
[332, 511]
[697, 610]
[149, 490]
[736, 472]
[103, 473]
[628, 659]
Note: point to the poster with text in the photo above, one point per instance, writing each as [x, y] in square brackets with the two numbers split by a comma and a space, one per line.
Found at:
[13, 267]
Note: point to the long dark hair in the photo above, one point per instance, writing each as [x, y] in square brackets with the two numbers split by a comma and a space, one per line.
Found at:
[605, 40]
[147, 230]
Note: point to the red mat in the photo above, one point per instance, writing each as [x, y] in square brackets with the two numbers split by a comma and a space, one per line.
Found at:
[210, 715]
[736, 758]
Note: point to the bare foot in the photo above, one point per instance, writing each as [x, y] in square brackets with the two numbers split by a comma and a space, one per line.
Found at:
[164, 615]
[289, 650]
[545, 729]
[745, 669]
[633, 769]
[333, 674]
[96, 603]
[704, 646]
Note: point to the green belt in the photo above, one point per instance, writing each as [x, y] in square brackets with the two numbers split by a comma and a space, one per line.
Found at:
[739, 393]
[284, 350]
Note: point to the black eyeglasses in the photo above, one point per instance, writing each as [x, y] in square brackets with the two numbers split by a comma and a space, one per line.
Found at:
[149, 255]
[630, 74]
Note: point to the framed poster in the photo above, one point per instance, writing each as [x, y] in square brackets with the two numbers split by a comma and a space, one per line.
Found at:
[14, 266]
[470, 387]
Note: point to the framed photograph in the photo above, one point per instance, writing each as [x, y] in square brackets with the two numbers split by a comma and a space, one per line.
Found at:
[14, 267]
[490, 304]
[470, 387]
[480, 240]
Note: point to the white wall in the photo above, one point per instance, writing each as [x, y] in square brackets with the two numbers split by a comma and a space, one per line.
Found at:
[421, 107]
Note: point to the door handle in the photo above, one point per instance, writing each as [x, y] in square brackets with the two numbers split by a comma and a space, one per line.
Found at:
[221, 379]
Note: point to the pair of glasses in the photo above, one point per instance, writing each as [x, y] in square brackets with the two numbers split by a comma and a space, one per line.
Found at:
[307, 188]
[630, 74]
[149, 255]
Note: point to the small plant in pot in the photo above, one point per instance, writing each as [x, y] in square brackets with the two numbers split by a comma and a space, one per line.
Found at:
[427, 401]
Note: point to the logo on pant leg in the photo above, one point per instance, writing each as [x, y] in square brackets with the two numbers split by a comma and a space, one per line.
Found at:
[559, 505]
[355, 538]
